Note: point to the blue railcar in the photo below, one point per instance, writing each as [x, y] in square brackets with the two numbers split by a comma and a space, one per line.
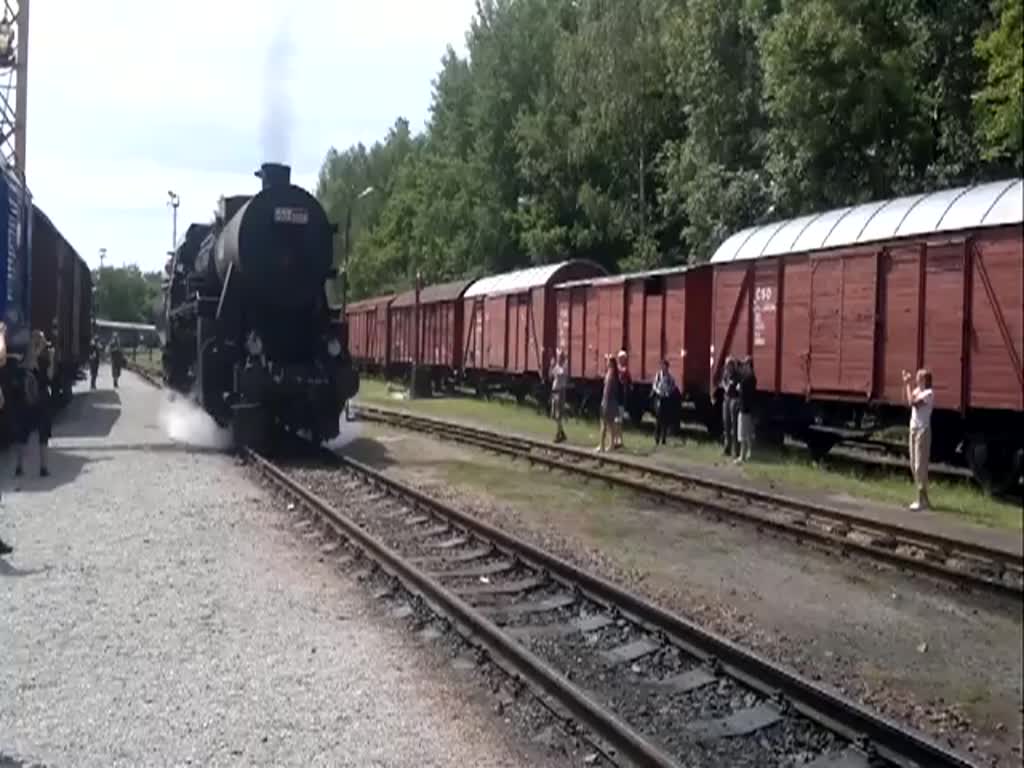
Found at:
[15, 271]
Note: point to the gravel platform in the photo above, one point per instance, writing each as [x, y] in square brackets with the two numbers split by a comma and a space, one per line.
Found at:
[158, 610]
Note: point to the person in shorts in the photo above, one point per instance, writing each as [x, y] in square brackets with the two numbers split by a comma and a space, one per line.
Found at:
[921, 400]
[559, 386]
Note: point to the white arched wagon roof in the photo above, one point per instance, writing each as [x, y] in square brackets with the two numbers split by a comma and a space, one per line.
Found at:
[523, 279]
[982, 205]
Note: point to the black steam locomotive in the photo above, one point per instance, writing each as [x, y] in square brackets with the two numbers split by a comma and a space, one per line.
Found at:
[247, 329]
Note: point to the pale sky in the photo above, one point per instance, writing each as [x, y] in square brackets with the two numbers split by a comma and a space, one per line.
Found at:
[130, 98]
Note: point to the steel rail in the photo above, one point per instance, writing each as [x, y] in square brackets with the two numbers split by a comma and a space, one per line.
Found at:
[870, 732]
[610, 728]
[523, 447]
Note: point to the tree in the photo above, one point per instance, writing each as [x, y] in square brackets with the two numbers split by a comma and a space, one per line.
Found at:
[999, 102]
[842, 97]
[714, 177]
[643, 134]
[124, 294]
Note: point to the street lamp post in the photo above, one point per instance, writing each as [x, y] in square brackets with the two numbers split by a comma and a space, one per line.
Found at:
[174, 201]
[96, 288]
[348, 235]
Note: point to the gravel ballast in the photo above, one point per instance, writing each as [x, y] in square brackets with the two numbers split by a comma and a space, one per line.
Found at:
[160, 609]
[946, 663]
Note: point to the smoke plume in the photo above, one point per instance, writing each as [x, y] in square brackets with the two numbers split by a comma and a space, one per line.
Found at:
[277, 107]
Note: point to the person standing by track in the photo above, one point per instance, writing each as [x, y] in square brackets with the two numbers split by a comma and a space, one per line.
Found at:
[921, 400]
[625, 390]
[32, 401]
[559, 385]
[730, 407]
[116, 358]
[94, 363]
[745, 417]
[610, 399]
[663, 389]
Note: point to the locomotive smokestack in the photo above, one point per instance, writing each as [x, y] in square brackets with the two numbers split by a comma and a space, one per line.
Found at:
[275, 175]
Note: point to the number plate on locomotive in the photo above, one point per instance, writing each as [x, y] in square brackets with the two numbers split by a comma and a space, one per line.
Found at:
[291, 215]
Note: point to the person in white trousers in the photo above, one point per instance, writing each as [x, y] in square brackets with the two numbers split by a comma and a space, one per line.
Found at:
[921, 400]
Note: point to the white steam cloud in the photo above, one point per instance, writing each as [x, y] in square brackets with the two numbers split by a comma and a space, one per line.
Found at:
[185, 422]
[349, 431]
[277, 107]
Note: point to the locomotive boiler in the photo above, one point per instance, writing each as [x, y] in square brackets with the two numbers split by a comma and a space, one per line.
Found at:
[247, 329]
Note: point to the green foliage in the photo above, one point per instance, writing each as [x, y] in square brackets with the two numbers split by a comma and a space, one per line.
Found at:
[126, 294]
[713, 177]
[1000, 101]
[642, 134]
[840, 94]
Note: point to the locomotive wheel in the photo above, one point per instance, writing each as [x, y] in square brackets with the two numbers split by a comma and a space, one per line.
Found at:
[996, 466]
[251, 428]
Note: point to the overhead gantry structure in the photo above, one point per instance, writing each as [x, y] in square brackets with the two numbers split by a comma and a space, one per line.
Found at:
[13, 83]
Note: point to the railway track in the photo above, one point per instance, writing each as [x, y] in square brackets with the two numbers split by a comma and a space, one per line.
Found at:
[653, 687]
[963, 564]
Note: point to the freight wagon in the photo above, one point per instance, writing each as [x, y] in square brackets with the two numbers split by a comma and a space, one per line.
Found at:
[509, 326]
[61, 301]
[44, 285]
[654, 316]
[832, 307]
[439, 328]
[368, 333]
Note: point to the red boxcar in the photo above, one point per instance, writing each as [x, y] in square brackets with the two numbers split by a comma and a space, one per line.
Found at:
[833, 307]
[654, 316]
[509, 323]
[369, 332]
[441, 324]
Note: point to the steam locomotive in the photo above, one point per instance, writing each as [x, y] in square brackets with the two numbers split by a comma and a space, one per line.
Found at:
[246, 327]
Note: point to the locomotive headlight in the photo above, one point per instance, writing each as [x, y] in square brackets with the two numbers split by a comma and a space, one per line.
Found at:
[254, 344]
[333, 347]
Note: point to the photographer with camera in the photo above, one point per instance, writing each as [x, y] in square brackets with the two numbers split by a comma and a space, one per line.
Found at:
[921, 400]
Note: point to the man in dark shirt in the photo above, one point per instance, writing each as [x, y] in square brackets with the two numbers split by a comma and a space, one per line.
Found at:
[116, 359]
[32, 391]
[730, 406]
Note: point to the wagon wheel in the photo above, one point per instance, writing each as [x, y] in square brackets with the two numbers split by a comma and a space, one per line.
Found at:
[996, 465]
[636, 414]
[819, 444]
